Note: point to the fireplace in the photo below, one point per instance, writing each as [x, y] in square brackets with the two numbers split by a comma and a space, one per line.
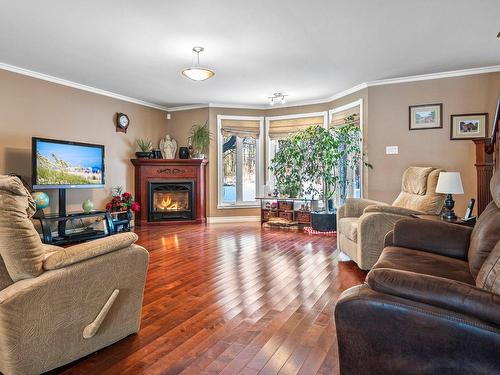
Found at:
[170, 191]
[171, 200]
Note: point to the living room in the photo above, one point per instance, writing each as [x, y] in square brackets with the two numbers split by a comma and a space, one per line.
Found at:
[177, 196]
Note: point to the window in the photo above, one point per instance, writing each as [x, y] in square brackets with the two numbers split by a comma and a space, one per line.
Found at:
[240, 172]
[280, 127]
[351, 181]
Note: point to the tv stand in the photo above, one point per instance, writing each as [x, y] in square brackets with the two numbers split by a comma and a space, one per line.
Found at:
[77, 235]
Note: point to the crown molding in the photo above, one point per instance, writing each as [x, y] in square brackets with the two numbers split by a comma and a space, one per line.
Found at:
[430, 76]
[359, 87]
[186, 107]
[79, 86]
[364, 85]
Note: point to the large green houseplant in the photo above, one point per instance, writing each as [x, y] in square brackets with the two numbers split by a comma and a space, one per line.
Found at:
[312, 159]
[200, 140]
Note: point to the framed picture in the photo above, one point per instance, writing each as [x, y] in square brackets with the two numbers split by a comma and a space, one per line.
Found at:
[426, 116]
[469, 126]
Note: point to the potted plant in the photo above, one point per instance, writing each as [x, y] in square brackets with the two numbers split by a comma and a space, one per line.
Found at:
[145, 145]
[200, 140]
[316, 156]
[287, 167]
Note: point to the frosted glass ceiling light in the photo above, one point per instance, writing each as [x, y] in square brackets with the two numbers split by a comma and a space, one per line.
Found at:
[197, 72]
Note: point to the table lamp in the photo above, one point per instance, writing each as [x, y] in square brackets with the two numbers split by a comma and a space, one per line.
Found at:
[449, 183]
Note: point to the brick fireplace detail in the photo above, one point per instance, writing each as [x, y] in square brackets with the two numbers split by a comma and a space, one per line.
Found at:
[170, 191]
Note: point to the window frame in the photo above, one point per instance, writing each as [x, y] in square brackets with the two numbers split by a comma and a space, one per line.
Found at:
[344, 107]
[287, 117]
[258, 163]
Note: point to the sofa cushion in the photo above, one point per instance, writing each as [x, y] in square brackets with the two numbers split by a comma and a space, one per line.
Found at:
[20, 245]
[348, 226]
[484, 237]
[418, 261]
[489, 275]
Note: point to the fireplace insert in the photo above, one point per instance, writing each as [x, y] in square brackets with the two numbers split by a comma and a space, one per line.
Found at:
[171, 200]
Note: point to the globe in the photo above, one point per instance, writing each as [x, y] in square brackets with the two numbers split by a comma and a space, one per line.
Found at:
[41, 200]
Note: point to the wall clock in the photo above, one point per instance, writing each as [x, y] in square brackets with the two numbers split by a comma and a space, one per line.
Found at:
[122, 122]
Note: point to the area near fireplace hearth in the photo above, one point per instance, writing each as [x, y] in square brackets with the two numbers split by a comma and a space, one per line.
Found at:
[170, 190]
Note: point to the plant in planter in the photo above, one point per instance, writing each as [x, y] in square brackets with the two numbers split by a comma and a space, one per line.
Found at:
[146, 146]
[287, 166]
[317, 157]
[200, 140]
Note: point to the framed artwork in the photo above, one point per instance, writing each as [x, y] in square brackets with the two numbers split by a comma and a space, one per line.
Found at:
[426, 116]
[469, 126]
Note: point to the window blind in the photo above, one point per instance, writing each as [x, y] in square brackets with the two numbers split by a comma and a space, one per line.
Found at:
[279, 129]
[240, 128]
[338, 119]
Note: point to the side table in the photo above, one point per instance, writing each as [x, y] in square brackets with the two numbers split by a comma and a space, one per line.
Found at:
[458, 221]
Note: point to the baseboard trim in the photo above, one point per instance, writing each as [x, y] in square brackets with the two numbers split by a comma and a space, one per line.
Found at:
[231, 219]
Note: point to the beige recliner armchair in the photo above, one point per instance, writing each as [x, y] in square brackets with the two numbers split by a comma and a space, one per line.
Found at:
[362, 223]
[60, 304]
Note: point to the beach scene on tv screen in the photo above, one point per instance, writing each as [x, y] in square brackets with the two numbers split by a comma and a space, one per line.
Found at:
[64, 164]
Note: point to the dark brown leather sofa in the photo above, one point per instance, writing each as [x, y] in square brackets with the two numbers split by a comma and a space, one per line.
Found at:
[431, 304]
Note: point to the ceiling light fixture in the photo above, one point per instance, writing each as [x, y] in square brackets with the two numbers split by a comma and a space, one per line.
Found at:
[277, 97]
[197, 72]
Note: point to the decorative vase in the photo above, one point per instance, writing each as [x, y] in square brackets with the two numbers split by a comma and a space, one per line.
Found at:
[184, 153]
[88, 206]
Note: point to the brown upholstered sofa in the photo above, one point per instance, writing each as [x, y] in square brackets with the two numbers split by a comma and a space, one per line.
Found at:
[58, 305]
[362, 223]
[431, 304]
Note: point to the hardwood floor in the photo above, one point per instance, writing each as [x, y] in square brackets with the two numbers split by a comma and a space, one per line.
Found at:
[232, 299]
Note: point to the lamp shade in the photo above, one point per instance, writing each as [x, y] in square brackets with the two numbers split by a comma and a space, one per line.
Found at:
[449, 183]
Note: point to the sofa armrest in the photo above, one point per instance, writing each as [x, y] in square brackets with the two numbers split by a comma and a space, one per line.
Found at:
[392, 210]
[437, 291]
[88, 250]
[389, 239]
[446, 239]
[354, 207]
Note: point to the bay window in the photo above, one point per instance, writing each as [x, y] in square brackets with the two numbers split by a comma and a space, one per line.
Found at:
[239, 160]
[280, 127]
[351, 179]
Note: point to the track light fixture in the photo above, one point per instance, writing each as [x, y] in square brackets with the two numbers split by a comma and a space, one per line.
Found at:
[278, 98]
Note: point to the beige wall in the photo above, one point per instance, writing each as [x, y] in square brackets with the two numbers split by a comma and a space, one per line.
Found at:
[385, 110]
[388, 126]
[32, 107]
[181, 122]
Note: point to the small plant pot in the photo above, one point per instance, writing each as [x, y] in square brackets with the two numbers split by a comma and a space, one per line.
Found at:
[143, 154]
[323, 222]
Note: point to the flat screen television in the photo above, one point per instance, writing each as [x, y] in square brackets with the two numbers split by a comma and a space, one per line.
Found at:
[61, 164]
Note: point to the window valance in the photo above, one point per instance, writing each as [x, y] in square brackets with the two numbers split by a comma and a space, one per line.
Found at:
[279, 129]
[338, 119]
[240, 128]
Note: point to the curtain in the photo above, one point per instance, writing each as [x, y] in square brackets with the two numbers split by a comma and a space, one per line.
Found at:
[338, 119]
[241, 128]
[279, 129]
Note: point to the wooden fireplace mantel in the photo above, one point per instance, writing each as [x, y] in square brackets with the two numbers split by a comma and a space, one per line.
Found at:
[155, 170]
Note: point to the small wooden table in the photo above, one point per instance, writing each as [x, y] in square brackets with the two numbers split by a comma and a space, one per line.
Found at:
[458, 221]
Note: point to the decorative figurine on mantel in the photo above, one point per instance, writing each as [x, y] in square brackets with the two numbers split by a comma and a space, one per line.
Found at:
[168, 147]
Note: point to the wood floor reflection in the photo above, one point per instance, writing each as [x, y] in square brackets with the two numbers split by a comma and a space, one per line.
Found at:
[231, 299]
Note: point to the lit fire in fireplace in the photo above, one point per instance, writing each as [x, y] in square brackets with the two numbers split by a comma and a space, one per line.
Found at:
[168, 205]
[171, 201]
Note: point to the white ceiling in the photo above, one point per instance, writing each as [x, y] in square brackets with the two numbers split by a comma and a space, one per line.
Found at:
[306, 49]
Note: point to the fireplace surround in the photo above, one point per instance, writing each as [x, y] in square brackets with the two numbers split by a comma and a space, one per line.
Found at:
[170, 191]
